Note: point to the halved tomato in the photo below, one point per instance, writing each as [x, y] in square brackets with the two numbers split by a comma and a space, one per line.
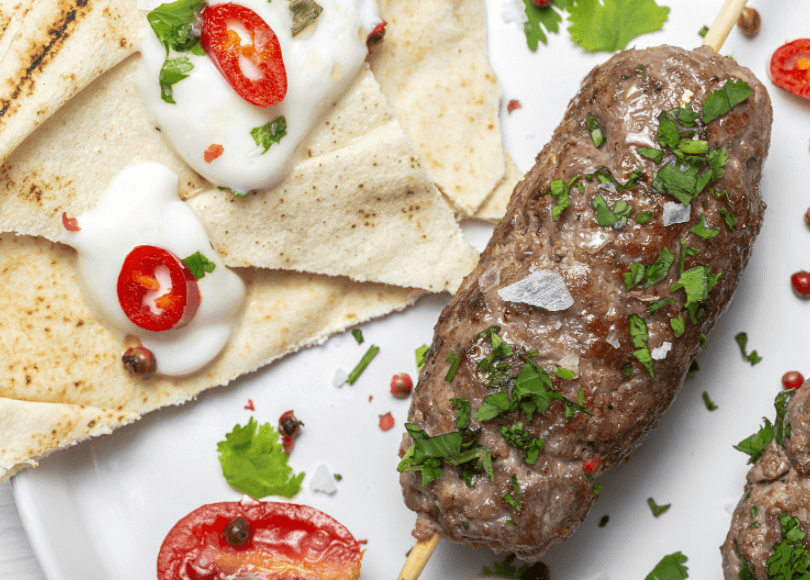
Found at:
[280, 541]
[790, 67]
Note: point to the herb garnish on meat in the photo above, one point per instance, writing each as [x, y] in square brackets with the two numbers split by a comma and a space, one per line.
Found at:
[790, 558]
[670, 567]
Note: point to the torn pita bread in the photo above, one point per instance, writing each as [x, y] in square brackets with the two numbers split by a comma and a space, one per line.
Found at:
[63, 377]
[494, 207]
[358, 205]
[434, 69]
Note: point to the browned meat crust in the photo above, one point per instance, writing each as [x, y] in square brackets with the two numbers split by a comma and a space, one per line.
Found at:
[626, 95]
[778, 483]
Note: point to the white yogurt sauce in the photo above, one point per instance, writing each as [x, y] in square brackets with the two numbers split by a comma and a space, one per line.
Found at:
[320, 64]
[142, 207]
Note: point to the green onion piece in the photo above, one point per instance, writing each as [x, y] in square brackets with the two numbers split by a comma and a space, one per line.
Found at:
[361, 366]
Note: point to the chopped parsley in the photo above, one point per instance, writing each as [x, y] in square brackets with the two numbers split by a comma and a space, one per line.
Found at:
[627, 371]
[634, 277]
[729, 218]
[421, 357]
[361, 366]
[790, 558]
[507, 568]
[742, 342]
[703, 31]
[597, 488]
[514, 500]
[658, 270]
[426, 455]
[643, 217]
[693, 147]
[708, 402]
[455, 360]
[596, 131]
[655, 154]
[604, 521]
[720, 102]
[172, 24]
[639, 338]
[678, 326]
[563, 372]
[358, 335]
[657, 510]
[755, 445]
[605, 217]
[269, 133]
[233, 191]
[655, 306]
[559, 190]
[462, 405]
[254, 462]
[693, 368]
[670, 567]
[172, 72]
[571, 411]
[696, 282]
[703, 230]
[518, 436]
[702, 340]
[199, 265]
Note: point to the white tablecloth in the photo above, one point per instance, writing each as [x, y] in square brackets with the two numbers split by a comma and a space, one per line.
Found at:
[17, 560]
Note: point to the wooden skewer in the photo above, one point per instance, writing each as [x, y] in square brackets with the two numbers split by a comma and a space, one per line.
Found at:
[418, 557]
[715, 37]
[725, 21]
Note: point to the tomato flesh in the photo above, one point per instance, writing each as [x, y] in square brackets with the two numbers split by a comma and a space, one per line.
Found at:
[265, 82]
[287, 541]
[156, 289]
[790, 67]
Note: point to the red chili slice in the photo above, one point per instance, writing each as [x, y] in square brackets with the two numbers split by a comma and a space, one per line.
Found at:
[790, 67]
[156, 289]
[223, 45]
[283, 541]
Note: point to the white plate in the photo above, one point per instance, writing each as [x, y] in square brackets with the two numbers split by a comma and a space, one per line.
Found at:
[100, 510]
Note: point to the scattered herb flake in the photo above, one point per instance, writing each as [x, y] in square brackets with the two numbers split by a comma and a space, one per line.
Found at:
[755, 444]
[514, 500]
[658, 270]
[721, 101]
[703, 230]
[678, 326]
[607, 218]
[596, 131]
[270, 133]
[172, 72]
[597, 488]
[703, 31]
[657, 510]
[455, 360]
[421, 356]
[563, 372]
[634, 277]
[790, 558]
[655, 154]
[199, 265]
[172, 24]
[742, 342]
[693, 368]
[358, 335]
[709, 403]
[670, 567]
[639, 337]
[506, 568]
[361, 366]
[604, 521]
[729, 218]
[643, 217]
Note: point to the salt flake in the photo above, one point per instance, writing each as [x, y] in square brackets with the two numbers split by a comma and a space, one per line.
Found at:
[676, 213]
[660, 353]
[323, 481]
[543, 288]
[340, 378]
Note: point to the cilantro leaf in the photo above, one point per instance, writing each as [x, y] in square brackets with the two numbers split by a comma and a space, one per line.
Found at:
[721, 101]
[610, 27]
[514, 500]
[606, 217]
[695, 282]
[755, 444]
[539, 18]
[655, 154]
[693, 147]
[270, 133]
[199, 265]
[643, 217]
[685, 115]
[255, 463]
[657, 510]
[172, 24]
[518, 436]
[717, 161]
[683, 185]
[708, 402]
[563, 372]
[703, 230]
[655, 306]
[559, 190]
[426, 455]
[493, 406]
[670, 567]
[172, 72]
